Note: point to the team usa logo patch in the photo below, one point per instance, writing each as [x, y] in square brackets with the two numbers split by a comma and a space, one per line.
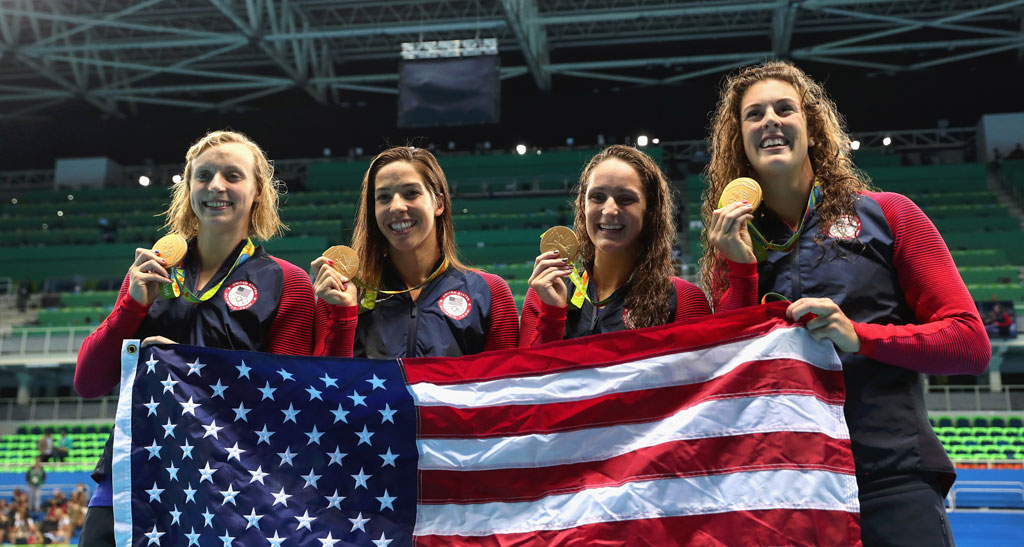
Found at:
[241, 295]
[455, 304]
[845, 227]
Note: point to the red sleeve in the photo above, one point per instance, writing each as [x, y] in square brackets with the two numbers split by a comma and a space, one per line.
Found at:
[98, 368]
[541, 323]
[503, 328]
[335, 329]
[690, 300]
[742, 291]
[949, 337]
[290, 333]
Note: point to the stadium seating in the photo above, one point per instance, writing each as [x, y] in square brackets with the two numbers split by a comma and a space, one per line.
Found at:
[501, 204]
[981, 438]
[18, 451]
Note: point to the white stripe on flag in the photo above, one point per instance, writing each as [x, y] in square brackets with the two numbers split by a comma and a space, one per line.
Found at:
[715, 418]
[747, 491]
[683, 368]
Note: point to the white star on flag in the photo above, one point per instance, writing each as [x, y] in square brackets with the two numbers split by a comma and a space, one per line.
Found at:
[257, 475]
[154, 536]
[304, 521]
[195, 368]
[188, 407]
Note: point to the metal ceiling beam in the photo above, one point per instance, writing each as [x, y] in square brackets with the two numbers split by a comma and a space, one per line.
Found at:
[298, 72]
[105, 19]
[826, 48]
[523, 18]
[783, 21]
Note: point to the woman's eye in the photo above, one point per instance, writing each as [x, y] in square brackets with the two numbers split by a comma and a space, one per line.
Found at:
[412, 194]
[202, 176]
[597, 196]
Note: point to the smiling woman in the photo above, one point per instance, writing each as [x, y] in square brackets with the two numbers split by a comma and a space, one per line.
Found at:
[227, 292]
[417, 298]
[866, 270]
[625, 226]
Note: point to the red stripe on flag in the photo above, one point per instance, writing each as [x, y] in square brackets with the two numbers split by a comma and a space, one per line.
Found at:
[768, 527]
[755, 452]
[770, 377]
[600, 350]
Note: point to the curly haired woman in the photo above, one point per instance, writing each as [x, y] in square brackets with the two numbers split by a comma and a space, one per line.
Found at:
[866, 270]
[625, 227]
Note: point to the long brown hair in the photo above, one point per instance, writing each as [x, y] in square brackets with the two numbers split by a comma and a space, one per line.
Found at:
[367, 240]
[830, 157]
[651, 291]
[264, 221]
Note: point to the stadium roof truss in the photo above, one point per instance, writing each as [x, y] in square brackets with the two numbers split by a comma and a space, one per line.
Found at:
[224, 54]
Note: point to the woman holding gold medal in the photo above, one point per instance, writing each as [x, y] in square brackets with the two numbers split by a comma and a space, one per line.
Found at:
[620, 274]
[866, 270]
[402, 291]
[205, 284]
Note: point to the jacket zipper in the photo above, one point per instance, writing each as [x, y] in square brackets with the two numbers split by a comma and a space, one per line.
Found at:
[410, 351]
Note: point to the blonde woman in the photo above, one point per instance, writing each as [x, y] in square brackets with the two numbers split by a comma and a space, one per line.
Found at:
[227, 293]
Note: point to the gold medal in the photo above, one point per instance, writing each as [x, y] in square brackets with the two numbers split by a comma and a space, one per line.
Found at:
[345, 260]
[741, 189]
[172, 248]
[562, 239]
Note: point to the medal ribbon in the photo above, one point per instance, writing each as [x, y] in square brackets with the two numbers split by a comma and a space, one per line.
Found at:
[369, 300]
[177, 287]
[762, 245]
[581, 282]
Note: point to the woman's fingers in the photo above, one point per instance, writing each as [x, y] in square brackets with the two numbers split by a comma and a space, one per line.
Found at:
[149, 341]
[825, 320]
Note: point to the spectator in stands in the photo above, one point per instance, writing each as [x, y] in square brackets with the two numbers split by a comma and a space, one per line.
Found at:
[1003, 320]
[24, 530]
[64, 447]
[57, 501]
[625, 280]
[409, 265]
[227, 197]
[34, 479]
[56, 527]
[1017, 153]
[45, 447]
[5, 519]
[866, 270]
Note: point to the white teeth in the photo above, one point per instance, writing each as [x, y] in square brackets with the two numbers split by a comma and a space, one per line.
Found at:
[610, 226]
[400, 226]
[774, 141]
[218, 203]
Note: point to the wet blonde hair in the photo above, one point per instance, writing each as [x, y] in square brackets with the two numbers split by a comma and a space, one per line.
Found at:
[264, 221]
[651, 291]
[829, 157]
[369, 242]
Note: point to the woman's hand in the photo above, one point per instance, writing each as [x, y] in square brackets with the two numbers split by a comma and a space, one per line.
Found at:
[546, 279]
[829, 322]
[150, 340]
[146, 275]
[330, 286]
[728, 232]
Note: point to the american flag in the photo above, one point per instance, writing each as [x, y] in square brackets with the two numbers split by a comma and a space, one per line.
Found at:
[724, 431]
